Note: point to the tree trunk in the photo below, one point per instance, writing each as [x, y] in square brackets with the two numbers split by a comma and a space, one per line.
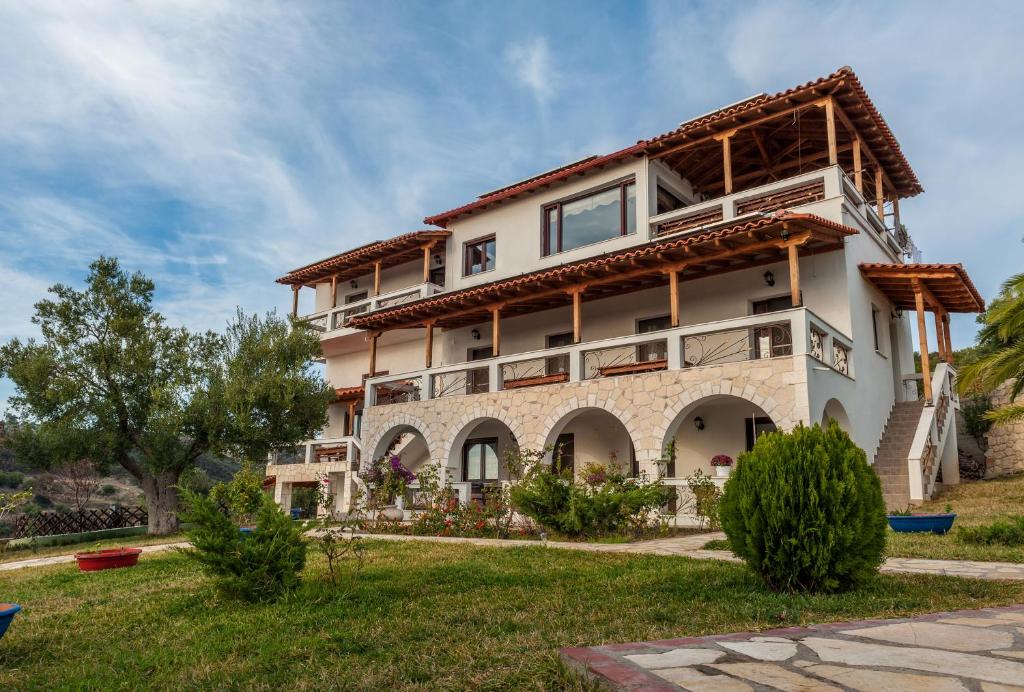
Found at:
[162, 502]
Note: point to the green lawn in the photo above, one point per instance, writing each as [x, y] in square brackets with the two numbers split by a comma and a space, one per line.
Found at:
[422, 616]
[20, 553]
[977, 502]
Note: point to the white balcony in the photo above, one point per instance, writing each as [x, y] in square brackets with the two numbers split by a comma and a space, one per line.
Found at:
[323, 450]
[797, 331]
[331, 322]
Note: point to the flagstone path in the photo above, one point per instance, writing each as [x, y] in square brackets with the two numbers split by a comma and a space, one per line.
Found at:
[945, 652]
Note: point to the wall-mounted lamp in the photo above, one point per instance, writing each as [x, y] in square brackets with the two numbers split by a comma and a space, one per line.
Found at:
[353, 283]
[899, 313]
[769, 278]
[785, 234]
[698, 423]
[438, 259]
[475, 334]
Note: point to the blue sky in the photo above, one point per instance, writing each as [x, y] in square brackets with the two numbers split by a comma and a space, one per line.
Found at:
[215, 145]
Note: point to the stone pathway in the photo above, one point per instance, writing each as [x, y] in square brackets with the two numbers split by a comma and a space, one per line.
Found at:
[60, 559]
[945, 652]
[692, 546]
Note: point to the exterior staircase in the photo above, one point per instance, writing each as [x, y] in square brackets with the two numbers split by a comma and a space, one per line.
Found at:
[892, 454]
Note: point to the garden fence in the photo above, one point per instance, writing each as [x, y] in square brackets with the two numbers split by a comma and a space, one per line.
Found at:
[80, 521]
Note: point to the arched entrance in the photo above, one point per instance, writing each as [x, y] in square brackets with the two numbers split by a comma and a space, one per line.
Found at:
[835, 411]
[591, 435]
[478, 457]
[406, 442]
[717, 424]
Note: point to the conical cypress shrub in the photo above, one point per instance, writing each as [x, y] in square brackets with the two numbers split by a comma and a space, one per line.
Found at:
[805, 511]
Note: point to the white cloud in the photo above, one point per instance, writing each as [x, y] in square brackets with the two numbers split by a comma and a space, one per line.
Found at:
[531, 65]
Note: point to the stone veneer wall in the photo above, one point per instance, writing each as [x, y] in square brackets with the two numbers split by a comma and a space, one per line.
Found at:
[298, 473]
[647, 405]
[1005, 452]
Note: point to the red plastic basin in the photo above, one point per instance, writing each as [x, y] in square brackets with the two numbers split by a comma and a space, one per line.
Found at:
[111, 558]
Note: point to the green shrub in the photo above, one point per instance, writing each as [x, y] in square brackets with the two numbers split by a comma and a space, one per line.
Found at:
[1009, 531]
[108, 490]
[243, 495]
[260, 566]
[11, 479]
[592, 508]
[706, 497]
[805, 511]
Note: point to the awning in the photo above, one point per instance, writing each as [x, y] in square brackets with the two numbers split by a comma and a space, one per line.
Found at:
[949, 284]
[361, 261]
[729, 246]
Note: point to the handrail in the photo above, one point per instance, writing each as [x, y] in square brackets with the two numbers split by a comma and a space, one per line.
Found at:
[933, 429]
[334, 318]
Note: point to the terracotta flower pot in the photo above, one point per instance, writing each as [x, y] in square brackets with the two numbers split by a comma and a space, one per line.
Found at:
[112, 558]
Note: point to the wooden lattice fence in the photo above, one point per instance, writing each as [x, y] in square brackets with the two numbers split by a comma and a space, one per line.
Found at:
[57, 523]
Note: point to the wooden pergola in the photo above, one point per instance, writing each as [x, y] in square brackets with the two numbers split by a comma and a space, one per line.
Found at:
[939, 288]
[768, 238]
[371, 258]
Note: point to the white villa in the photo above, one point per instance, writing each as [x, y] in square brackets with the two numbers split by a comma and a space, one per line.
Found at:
[744, 272]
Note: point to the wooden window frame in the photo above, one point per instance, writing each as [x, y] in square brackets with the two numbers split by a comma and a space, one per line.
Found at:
[465, 460]
[465, 254]
[622, 184]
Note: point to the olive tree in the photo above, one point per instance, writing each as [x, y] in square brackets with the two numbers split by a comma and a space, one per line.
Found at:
[111, 382]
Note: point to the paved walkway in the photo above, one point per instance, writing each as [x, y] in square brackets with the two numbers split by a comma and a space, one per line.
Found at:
[943, 652]
[60, 559]
[684, 546]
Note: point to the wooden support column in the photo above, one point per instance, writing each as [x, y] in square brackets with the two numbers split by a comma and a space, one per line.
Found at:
[577, 315]
[949, 341]
[922, 334]
[426, 262]
[830, 126]
[879, 194]
[496, 331]
[940, 336]
[858, 174]
[334, 290]
[895, 212]
[350, 428]
[727, 163]
[373, 353]
[794, 274]
[295, 300]
[429, 355]
[376, 278]
[673, 296]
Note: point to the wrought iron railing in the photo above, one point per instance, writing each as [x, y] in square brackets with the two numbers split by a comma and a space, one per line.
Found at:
[535, 371]
[840, 357]
[469, 381]
[629, 359]
[397, 391]
[816, 347]
[736, 345]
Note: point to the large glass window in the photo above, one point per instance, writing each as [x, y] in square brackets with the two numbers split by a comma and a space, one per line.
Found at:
[591, 218]
[480, 460]
[479, 256]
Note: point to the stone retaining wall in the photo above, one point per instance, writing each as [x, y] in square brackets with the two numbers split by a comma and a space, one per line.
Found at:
[1005, 452]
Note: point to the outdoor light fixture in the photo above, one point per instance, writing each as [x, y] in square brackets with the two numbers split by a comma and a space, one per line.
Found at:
[475, 334]
[785, 234]
[769, 278]
[353, 283]
[899, 313]
[437, 259]
[698, 423]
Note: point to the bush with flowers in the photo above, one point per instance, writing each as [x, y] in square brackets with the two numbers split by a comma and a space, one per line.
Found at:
[387, 478]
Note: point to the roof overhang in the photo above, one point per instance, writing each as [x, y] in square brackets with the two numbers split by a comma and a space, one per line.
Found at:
[944, 287]
[362, 260]
[734, 245]
[349, 393]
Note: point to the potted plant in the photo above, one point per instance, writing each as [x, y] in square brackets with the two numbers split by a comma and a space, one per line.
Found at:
[7, 613]
[722, 464]
[388, 479]
[110, 558]
[905, 521]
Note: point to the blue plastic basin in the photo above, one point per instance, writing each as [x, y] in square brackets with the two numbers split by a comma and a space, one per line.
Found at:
[7, 613]
[914, 523]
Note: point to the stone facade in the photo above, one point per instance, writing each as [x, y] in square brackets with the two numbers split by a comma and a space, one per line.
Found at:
[1005, 452]
[650, 406]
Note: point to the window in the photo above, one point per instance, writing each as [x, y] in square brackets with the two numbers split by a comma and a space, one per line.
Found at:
[480, 460]
[477, 380]
[591, 218]
[657, 350]
[479, 256]
[773, 340]
[874, 328]
[556, 365]
[565, 452]
[668, 200]
[756, 427]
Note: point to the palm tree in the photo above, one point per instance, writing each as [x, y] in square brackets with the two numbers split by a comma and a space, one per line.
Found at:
[1001, 343]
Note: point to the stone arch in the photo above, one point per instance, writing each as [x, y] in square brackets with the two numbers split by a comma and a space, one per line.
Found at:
[599, 433]
[478, 426]
[834, 410]
[376, 445]
[465, 423]
[545, 434]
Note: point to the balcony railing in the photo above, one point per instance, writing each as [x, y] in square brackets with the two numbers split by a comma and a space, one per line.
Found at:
[322, 450]
[335, 318]
[797, 331]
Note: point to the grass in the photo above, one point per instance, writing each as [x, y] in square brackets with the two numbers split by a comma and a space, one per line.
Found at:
[12, 554]
[421, 616]
[975, 503]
